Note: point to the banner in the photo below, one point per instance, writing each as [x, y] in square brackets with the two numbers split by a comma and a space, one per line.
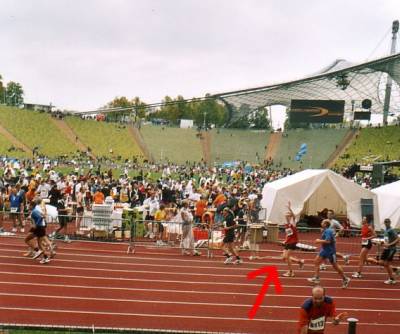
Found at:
[316, 111]
[362, 115]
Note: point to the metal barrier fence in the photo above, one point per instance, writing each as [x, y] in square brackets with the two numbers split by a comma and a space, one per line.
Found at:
[106, 226]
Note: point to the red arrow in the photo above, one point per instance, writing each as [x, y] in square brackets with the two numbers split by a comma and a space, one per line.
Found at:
[272, 276]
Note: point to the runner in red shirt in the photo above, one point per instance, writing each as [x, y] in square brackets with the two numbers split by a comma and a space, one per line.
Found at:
[315, 312]
[292, 238]
[367, 234]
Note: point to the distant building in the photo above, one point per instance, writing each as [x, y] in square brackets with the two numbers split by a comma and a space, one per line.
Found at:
[38, 107]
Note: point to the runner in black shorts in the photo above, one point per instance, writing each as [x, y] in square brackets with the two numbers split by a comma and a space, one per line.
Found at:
[229, 238]
[390, 241]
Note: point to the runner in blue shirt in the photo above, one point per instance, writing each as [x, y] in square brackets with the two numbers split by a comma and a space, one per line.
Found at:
[16, 198]
[328, 252]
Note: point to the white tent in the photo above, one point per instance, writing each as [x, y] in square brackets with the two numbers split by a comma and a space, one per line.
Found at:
[389, 202]
[311, 191]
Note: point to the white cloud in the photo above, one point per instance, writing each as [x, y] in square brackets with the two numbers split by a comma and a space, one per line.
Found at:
[81, 54]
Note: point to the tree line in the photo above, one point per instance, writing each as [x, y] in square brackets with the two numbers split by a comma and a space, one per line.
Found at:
[205, 112]
[11, 94]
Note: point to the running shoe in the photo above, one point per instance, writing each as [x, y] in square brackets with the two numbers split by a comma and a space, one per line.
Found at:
[356, 275]
[22, 230]
[228, 260]
[314, 279]
[67, 239]
[322, 267]
[345, 282]
[37, 254]
[301, 264]
[346, 259]
[29, 253]
[14, 229]
[238, 261]
[390, 281]
[288, 274]
[45, 260]
[196, 253]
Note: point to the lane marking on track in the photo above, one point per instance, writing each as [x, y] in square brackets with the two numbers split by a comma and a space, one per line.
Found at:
[168, 316]
[34, 265]
[180, 282]
[209, 292]
[133, 258]
[178, 303]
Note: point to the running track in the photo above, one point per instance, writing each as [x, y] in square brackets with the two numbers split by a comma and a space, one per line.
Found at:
[99, 284]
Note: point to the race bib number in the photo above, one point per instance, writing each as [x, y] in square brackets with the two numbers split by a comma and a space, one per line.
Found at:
[289, 232]
[317, 324]
[364, 241]
[386, 240]
[13, 210]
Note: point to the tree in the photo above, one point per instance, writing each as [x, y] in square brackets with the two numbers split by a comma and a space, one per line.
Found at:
[260, 119]
[2, 91]
[14, 94]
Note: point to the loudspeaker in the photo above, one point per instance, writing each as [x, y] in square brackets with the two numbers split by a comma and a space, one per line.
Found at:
[366, 104]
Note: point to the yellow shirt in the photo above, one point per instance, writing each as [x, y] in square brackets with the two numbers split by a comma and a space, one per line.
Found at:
[160, 215]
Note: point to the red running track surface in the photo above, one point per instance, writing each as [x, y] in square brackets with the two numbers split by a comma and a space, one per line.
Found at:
[157, 288]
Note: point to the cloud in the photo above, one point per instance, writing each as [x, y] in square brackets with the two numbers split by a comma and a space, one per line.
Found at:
[82, 54]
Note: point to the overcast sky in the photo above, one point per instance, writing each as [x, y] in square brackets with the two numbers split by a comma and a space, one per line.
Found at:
[81, 54]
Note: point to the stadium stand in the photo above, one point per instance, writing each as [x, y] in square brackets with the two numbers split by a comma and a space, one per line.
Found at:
[320, 142]
[35, 129]
[104, 139]
[371, 145]
[233, 144]
[172, 144]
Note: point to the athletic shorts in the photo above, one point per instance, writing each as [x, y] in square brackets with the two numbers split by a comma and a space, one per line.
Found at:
[388, 254]
[40, 231]
[229, 237]
[79, 209]
[326, 255]
[290, 246]
[242, 228]
[160, 227]
[368, 245]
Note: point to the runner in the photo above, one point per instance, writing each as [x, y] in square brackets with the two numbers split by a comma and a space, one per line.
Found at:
[390, 241]
[292, 238]
[227, 246]
[38, 231]
[315, 311]
[328, 252]
[367, 234]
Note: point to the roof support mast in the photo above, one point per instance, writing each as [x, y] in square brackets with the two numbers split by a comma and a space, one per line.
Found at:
[395, 29]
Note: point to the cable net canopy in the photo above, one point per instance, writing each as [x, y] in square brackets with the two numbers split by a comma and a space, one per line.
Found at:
[339, 81]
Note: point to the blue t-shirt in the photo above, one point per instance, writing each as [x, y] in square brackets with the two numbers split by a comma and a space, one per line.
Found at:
[390, 235]
[16, 200]
[37, 217]
[329, 235]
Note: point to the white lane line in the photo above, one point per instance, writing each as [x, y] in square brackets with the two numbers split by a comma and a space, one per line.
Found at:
[199, 266]
[179, 282]
[179, 302]
[243, 275]
[168, 316]
[191, 292]
[185, 260]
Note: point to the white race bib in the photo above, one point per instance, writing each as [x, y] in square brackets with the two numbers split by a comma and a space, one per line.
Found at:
[13, 210]
[364, 241]
[386, 240]
[317, 324]
[289, 232]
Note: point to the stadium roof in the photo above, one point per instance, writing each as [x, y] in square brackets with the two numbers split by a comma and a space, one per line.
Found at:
[339, 81]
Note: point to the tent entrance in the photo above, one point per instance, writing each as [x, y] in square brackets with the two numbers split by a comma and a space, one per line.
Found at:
[325, 196]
